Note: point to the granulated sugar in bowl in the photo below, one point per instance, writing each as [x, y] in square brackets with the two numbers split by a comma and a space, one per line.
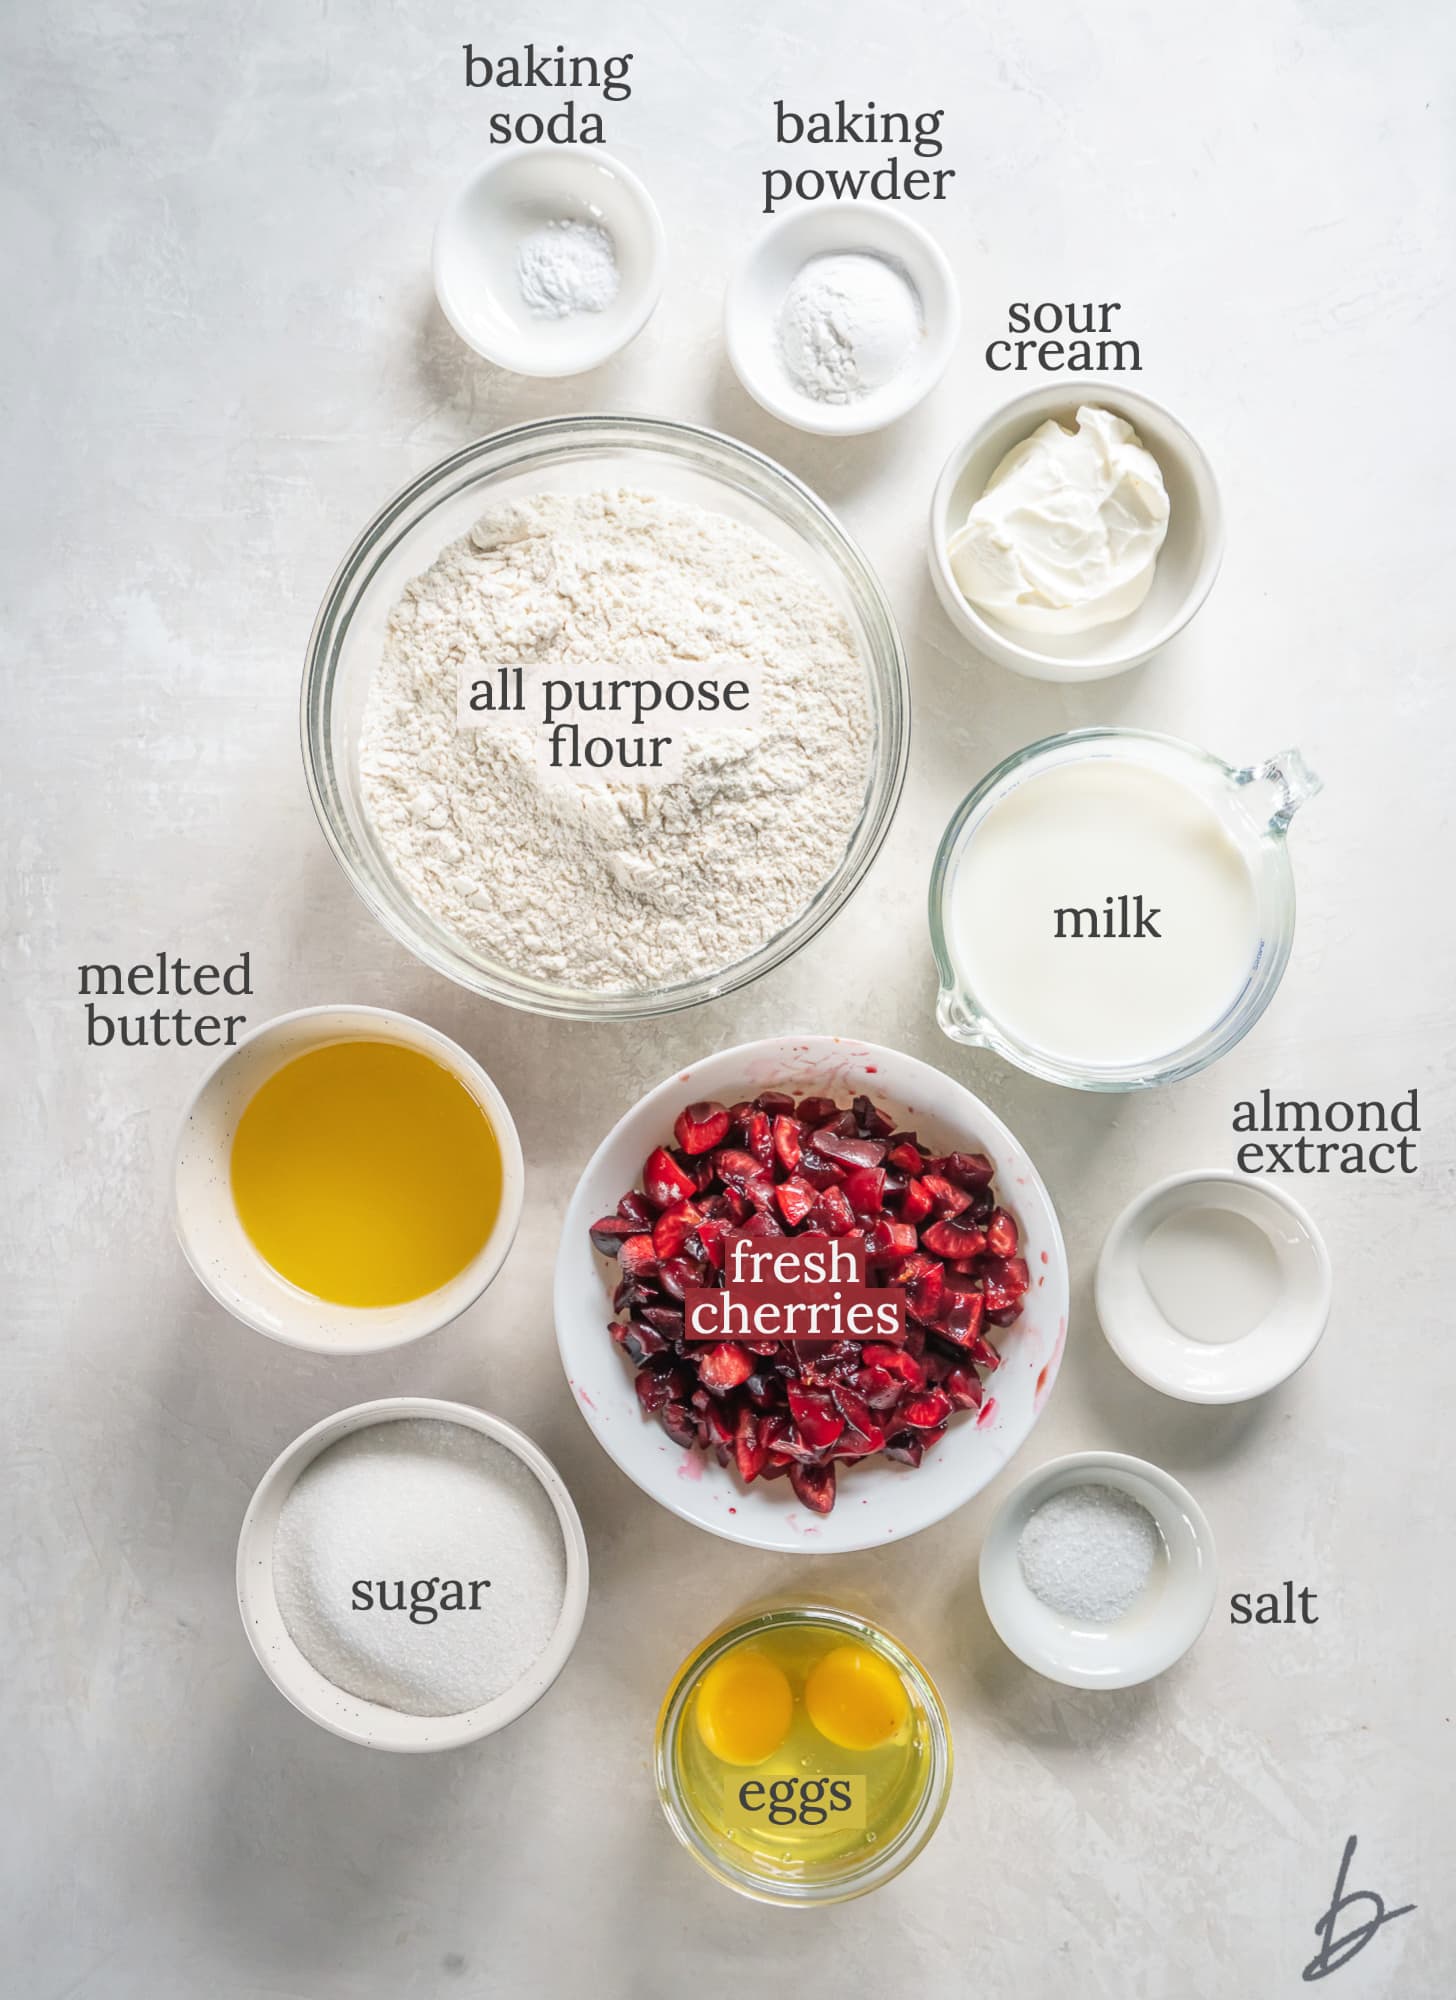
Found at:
[412, 1574]
[376, 1565]
[590, 549]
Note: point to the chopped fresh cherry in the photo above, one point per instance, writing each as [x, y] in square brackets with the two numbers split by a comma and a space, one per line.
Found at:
[954, 1239]
[814, 1485]
[610, 1233]
[775, 1166]
[1000, 1234]
[724, 1366]
[664, 1181]
[701, 1127]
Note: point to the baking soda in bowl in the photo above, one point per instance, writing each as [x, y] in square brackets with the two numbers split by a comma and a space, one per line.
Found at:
[1101, 914]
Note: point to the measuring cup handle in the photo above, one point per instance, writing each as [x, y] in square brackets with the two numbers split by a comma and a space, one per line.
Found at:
[1291, 781]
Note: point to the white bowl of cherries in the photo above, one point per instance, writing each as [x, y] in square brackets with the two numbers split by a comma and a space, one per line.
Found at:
[840, 1446]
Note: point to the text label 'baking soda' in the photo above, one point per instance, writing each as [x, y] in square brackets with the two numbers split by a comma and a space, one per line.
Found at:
[550, 69]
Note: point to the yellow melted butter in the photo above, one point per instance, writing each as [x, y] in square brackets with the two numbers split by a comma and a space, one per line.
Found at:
[366, 1174]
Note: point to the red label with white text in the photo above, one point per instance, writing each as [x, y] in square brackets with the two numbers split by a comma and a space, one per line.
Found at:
[799, 1288]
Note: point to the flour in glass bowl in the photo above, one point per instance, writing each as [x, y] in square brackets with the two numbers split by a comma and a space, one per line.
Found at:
[618, 886]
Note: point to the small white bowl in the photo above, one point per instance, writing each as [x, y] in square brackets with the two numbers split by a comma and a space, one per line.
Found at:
[1215, 1371]
[1187, 564]
[479, 235]
[219, 1249]
[759, 285]
[369, 1722]
[877, 1501]
[1159, 1628]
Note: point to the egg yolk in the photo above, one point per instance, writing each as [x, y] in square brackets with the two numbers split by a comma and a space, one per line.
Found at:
[744, 1708]
[856, 1699]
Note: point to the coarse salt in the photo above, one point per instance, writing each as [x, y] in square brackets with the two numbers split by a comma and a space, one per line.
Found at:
[420, 1500]
[1088, 1552]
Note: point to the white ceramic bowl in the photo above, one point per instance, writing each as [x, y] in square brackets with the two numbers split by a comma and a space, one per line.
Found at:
[368, 1722]
[878, 1501]
[1159, 1628]
[218, 1248]
[757, 290]
[480, 232]
[1201, 1371]
[1187, 564]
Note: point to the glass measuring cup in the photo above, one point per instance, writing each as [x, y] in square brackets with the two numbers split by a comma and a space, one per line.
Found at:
[1253, 806]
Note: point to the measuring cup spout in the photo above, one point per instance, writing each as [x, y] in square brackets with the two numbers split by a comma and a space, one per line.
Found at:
[958, 1019]
[1290, 782]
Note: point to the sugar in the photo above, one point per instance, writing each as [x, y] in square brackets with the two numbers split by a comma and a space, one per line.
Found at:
[419, 1501]
[1088, 1552]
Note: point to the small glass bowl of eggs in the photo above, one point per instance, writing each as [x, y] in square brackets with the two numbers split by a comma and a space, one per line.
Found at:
[803, 1755]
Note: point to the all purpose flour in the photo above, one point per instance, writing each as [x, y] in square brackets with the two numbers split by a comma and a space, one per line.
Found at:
[615, 885]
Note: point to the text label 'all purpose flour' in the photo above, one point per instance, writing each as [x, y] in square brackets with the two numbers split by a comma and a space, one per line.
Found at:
[601, 725]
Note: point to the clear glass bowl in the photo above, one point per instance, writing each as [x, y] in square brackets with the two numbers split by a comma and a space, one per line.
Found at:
[1254, 803]
[577, 454]
[810, 1885]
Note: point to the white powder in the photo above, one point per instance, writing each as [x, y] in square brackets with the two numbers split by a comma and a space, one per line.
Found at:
[403, 1503]
[848, 324]
[567, 267]
[615, 886]
[1088, 1552]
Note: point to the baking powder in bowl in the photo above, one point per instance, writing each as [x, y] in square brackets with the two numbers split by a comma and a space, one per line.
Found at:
[849, 324]
[420, 1564]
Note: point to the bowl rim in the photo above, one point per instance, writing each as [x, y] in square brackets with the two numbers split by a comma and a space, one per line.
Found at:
[254, 1553]
[1139, 1356]
[882, 657]
[737, 1528]
[1000, 645]
[489, 1260]
[998, 1562]
[844, 419]
[623, 331]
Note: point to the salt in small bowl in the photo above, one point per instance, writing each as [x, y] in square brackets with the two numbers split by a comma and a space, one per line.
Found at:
[1158, 1629]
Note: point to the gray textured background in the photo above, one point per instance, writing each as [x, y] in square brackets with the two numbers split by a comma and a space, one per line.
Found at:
[220, 353]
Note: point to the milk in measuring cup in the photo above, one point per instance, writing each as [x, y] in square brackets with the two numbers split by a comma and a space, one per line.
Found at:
[1102, 915]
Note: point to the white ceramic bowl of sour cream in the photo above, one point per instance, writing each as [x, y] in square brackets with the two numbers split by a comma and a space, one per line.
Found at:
[1187, 563]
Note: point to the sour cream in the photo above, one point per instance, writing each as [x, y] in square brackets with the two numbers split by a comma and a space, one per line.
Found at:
[1067, 533]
